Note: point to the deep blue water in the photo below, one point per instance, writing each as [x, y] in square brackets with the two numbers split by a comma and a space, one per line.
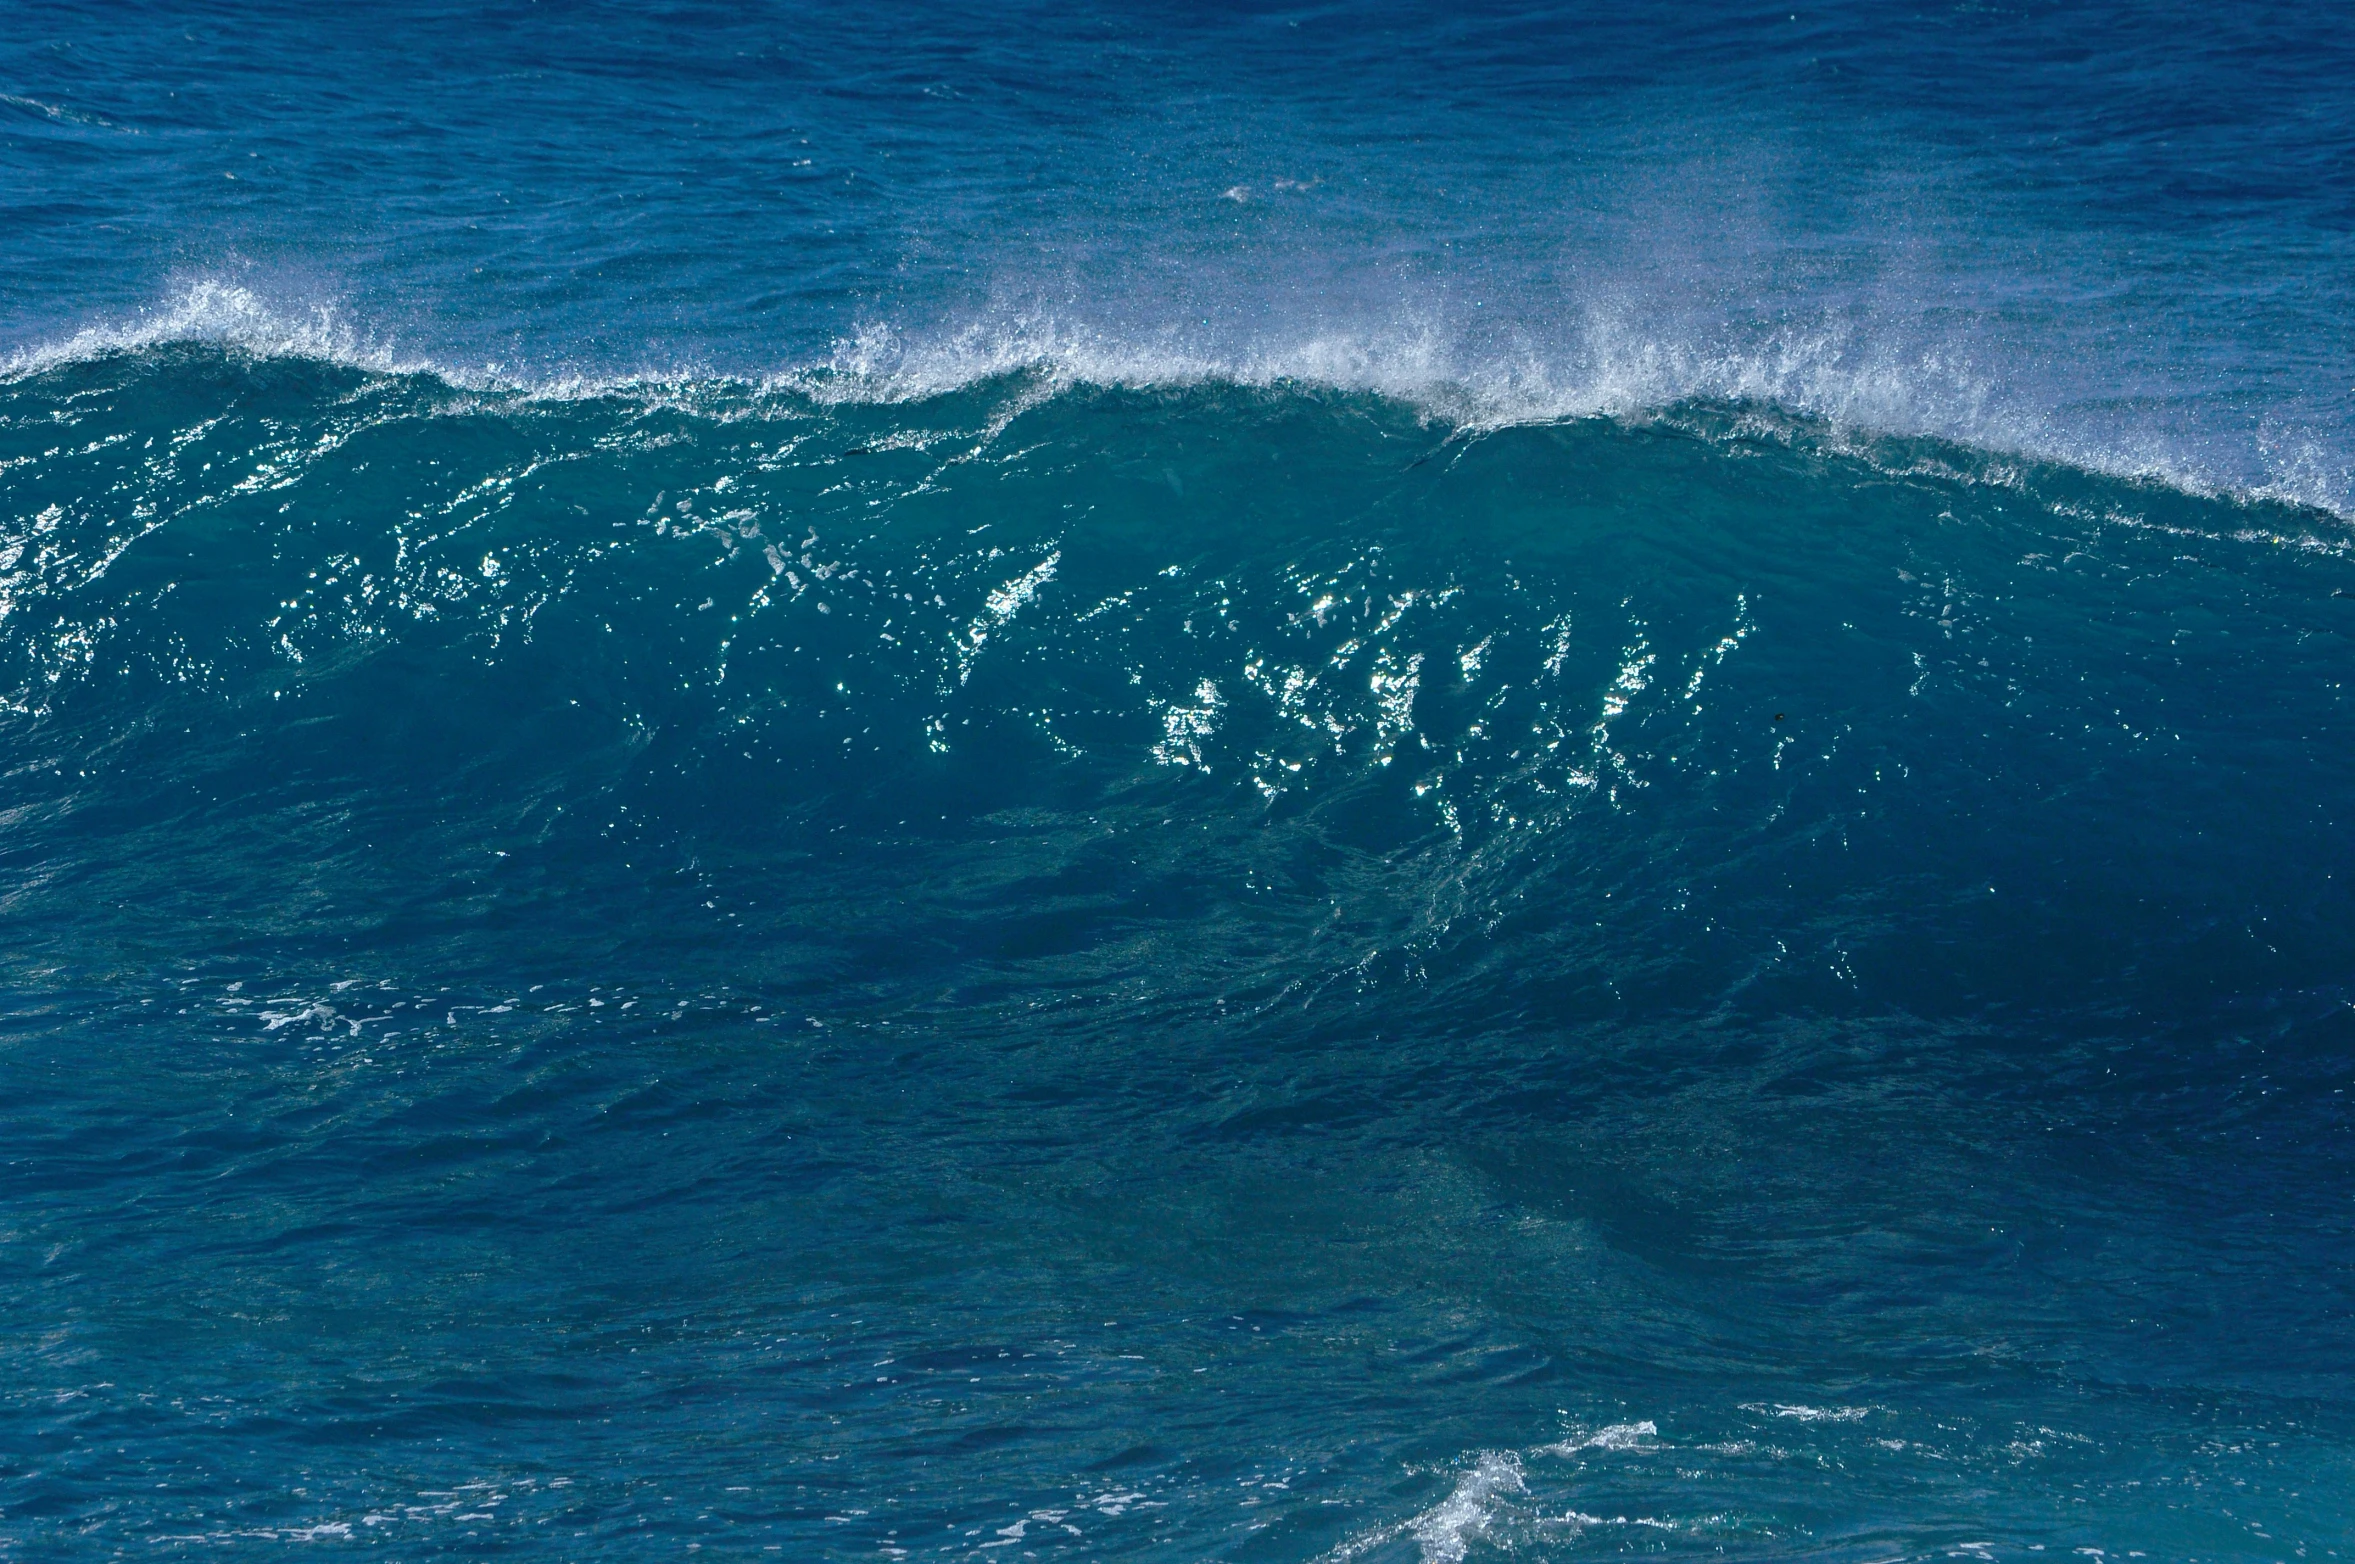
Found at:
[1358, 784]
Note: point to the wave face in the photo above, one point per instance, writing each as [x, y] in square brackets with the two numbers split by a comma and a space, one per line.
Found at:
[1155, 973]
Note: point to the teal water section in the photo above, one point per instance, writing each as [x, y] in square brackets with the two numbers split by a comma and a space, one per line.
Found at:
[1179, 972]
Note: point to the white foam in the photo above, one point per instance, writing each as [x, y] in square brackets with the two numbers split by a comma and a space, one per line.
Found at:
[1607, 361]
[1808, 1414]
[220, 314]
[62, 114]
[1617, 1436]
[1611, 363]
[1445, 1532]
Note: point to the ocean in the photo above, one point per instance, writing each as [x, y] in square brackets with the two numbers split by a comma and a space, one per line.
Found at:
[1356, 784]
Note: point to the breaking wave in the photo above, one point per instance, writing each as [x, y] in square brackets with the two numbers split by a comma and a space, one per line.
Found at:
[1608, 362]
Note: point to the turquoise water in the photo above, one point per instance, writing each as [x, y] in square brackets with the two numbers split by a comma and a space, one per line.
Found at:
[1330, 786]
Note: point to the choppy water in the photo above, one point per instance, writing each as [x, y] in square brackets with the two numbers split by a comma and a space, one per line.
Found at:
[1329, 785]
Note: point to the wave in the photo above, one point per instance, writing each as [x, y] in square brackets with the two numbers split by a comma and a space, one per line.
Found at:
[1467, 664]
[1612, 364]
[1586, 797]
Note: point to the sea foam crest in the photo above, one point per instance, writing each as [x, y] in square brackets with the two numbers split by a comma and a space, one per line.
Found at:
[214, 313]
[1610, 367]
[1609, 362]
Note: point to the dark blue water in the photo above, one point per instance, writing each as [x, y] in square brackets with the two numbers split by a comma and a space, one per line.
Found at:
[1338, 784]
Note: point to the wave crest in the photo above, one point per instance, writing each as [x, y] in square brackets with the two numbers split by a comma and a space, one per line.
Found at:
[214, 313]
[1609, 363]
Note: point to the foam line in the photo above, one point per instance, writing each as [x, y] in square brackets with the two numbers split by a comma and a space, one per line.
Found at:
[1610, 366]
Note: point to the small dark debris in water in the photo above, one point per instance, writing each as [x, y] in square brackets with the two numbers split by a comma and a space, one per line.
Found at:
[860, 450]
[1778, 716]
